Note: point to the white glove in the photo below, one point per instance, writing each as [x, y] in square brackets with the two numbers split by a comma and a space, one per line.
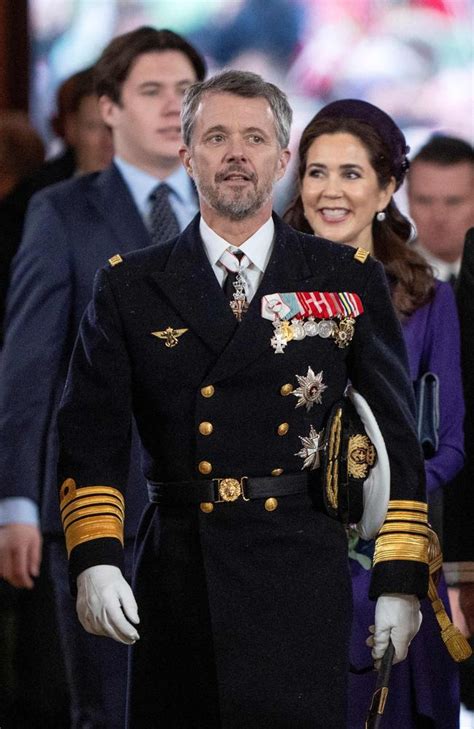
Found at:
[397, 617]
[105, 604]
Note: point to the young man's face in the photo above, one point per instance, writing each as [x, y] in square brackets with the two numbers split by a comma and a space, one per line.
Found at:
[146, 123]
[442, 206]
[234, 155]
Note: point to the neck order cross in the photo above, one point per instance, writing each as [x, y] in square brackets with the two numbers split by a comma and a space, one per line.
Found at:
[234, 284]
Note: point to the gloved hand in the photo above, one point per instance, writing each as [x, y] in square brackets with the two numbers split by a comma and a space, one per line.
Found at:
[105, 604]
[397, 617]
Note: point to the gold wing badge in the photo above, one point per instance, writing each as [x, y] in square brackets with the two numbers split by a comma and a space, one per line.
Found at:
[170, 336]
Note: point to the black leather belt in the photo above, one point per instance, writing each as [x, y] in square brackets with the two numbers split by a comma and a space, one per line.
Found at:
[218, 490]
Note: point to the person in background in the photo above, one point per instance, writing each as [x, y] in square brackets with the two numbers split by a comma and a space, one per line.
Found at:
[459, 502]
[21, 150]
[440, 186]
[352, 158]
[71, 229]
[88, 148]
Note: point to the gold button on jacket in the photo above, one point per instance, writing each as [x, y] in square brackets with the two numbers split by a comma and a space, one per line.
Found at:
[205, 467]
[283, 428]
[206, 428]
[207, 391]
[286, 389]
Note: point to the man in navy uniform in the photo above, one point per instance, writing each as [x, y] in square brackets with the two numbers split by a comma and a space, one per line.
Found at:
[243, 592]
[71, 230]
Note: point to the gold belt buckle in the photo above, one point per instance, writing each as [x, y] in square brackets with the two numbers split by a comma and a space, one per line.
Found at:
[230, 489]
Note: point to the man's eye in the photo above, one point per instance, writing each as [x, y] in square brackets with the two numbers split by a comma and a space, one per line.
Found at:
[255, 139]
[216, 138]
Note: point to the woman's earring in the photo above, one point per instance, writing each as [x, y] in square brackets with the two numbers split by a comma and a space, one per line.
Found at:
[381, 216]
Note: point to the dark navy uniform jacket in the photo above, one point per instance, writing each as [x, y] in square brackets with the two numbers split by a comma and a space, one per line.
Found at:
[277, 582]
[71, 230]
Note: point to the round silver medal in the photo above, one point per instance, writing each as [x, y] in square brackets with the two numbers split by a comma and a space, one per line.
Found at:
[298, 329]
[326, 328]
[311, 328]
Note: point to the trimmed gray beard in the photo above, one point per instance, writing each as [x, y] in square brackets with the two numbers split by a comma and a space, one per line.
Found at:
[242, 206]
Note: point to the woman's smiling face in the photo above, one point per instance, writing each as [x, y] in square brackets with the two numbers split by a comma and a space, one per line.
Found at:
[340, 190]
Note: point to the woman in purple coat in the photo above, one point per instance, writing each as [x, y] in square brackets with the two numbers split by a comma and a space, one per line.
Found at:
[352, 159]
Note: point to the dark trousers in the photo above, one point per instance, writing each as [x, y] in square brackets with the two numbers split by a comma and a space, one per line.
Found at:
[96, 667]
[33, 690]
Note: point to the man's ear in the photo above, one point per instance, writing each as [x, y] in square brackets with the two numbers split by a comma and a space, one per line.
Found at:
[283, 161]
[185, 157]
[108, 110]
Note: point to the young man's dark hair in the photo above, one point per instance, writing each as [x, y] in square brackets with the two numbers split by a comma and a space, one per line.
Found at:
[444, 150]
[116, 60]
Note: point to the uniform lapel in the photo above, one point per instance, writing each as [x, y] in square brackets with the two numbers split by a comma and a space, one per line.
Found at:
[287, 270]
[191, 287]
[110, 196]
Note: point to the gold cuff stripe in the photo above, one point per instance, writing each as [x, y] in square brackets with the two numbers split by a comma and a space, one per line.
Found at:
[406, 528]
[401, 547]
[417, 517]
[85, 530]
[96, 502]
[411, 505]
[92, 513]
[77, 493]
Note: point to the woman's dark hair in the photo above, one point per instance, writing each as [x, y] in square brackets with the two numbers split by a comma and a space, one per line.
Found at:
[412, 277]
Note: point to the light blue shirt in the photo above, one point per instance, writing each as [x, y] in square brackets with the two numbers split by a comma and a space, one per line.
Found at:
[183, 199]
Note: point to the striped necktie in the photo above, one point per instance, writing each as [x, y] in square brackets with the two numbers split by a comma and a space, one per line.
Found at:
[234, 284]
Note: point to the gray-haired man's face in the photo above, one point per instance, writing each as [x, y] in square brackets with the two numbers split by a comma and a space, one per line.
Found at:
[234, 156]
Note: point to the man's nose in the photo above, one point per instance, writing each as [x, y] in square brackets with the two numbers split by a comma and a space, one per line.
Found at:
[172, 103]
[235, 151]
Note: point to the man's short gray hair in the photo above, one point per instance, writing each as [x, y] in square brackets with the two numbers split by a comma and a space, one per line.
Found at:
[239, 83]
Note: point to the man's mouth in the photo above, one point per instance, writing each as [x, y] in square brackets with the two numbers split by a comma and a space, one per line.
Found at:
[176, 131]
[235, 175]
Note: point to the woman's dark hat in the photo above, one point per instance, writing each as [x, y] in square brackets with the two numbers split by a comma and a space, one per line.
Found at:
[383, 124]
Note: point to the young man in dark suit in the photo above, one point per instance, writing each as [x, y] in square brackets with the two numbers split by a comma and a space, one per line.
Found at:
[71, 230]
[243, 587]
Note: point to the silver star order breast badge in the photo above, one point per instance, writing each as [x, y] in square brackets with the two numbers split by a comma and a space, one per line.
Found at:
[310, 390]
[310, 450]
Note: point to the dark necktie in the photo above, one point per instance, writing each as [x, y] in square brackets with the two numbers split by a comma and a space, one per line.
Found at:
[163, 222]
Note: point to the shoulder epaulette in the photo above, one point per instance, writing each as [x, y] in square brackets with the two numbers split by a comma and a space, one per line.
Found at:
[115, 260]
[361, 255]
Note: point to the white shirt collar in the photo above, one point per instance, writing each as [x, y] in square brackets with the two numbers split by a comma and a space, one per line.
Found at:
[442, 269]
[257, 248]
